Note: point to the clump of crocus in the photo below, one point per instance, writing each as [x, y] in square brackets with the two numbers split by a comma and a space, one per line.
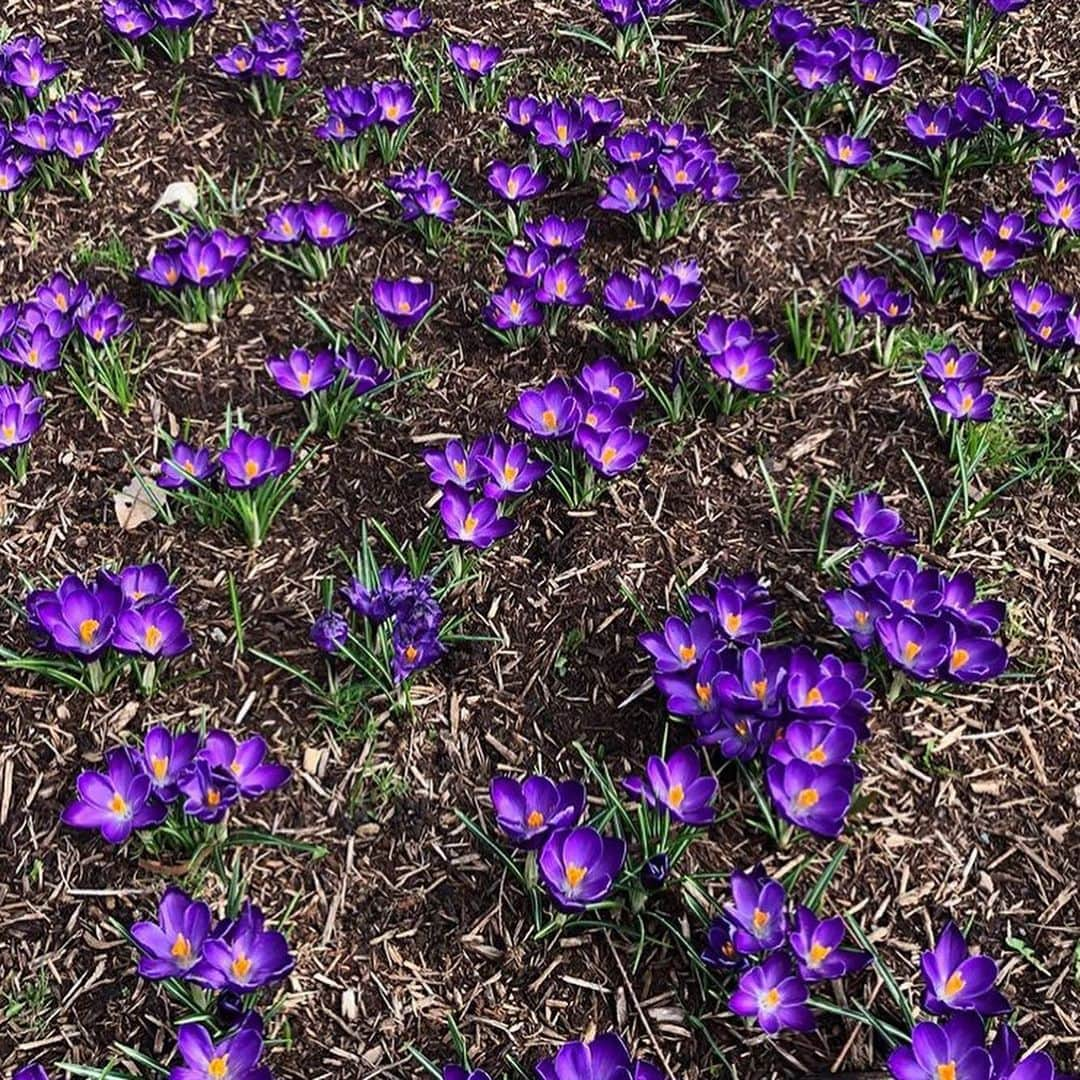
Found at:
[91, 632]
[643, 306]
[789, 952]
[168, 23]
[26, 70]
[235, 1056]
[401, 306]
[1044, 315]
[864, 294]
[660, 177]
[246, 484]
[930, 625]
[568, 132]
[195, 777]
[802, 714]
[605, 1056]
[198, 275]
[475, 72]
[592, 415]
[739, 356]
[427, 200]
[20, 420]
[267, 62]
[358, 115]
[334, 387]
[308, 237]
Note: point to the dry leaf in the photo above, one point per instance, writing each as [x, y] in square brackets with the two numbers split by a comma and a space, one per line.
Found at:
[139, 502]
[182, 194]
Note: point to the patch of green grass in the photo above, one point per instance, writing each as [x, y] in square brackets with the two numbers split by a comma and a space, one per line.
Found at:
[111, 254]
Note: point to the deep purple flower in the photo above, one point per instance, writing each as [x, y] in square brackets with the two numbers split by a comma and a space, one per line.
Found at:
[1062, 211]
[325, 225]
[18, 422]
[552, 412]
[605, 1058]
[1056, 176]
[302, 373]
[579, 866]
[816, 945]
[557, 235]
[516, 183]
[242, 956]
[520, 113]
[812, 796]
[403, 302]
[250, 460]
[236, 1057]
[475, 60]
[514, 306]
[103, 320]
[329, 632]
[720, 951]
[360, 372]
[630, 299]
[530, 810]
[919, 647]
[164, 758]
[562, 282]
[749, 367]
[859, 290]
[757, 912]
[457, 464]
[871, 521]
[933, 232]
[856, 612]
[931, 126]
[736, 613]
[774, 997]
[892, 307]
[1004, 1055]
[789, 25]
[873, 71]
[613, 452]
[245, 762]
[405, 22]
[984, 250]
[957, 981]
[126, 18]
[965, 400]
[474, 521]
[156, 632]
[847, 151]
[173, 945]
[184, 465]
[953, 1049]
[680, 646]
[949, 364]
[39, 350]
[627, 191]
[1011, 227]
[115, 802]
[509, 468]
[77, 619]
[817, 743]
[678, 786]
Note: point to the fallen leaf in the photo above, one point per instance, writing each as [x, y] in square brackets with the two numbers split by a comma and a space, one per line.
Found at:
[182, 194]
[137, 503]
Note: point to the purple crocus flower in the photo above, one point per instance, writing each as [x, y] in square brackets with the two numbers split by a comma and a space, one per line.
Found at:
[871, 521]
[245, 762]
[457, 464]
[818, 743]
[208, 793]
[165, 757]
[812, 796]
[557, 235]
[965, 400]
[757, 912]
[1062, 211]
[33, 1071]
[605, 381]
[514, 306]
[552, 412]
[677, 786]
[562, 282]
[329, 632]
[816, 945]
[627, 191]
[242, 956]
[859, 290]
[931, 126]
[302, 373]
[173, 945]
[117, 801]
[789, 25]
[127, 19]
[560, 127]
[360, 372]
[957, 981]
[524, 267]
[953, 1049]
[857, 612]
[516, 183]
[184, 466]
[819, 62]
[873, 71]
[613, 452]
[473, 521]
[509, 468]
[475, 60]
[530, 810]
[325, 225]
[403, 302]
[520, 113]
[103, 320]
[1055, 176]
[749, 367]
[918, 646]
[1004, 1055]
[605, 1058]
[949, 364]
[933, 232]
[892, 307]
[405, 22]
[76, 619]
[983, 249]
[680, 646]
[720, 951]
[18, 422]
[630, 299]
[847, 151]
[774, 996]
[236, 1057]
[250, 460]
[156, 632]
[39, 350]
[579, 866]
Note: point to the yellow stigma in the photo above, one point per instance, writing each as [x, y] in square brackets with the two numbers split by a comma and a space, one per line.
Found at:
[1034, 307]
[761, 919]
[241, 965]
[1066, 212]
[512, 187]
[687, 653]
[704, 693]
[770, 999]
[911, 650]
[117, 804]
[818, 953]
[987, 256]
[862, 299]
[251, 468]
[535, 819]
[468, 526]
[966, 404]
[862, 618]
[845, 153]
[759, 686]
[324, 229]
[630, 192]
[403, 307]
[171, 275]
[515, 308]
[630, 303]
[676, 796]
[32, 357]
[152, 637]
[281, 67]
[958, 659]
[560, 287]
[816, 756]
[732, 622]
[392, 112]
[740, 371]
[181, 948]
[932, 129]
[937, 234]
[218, 1067]
[575, 875]
[202, 270]
[954, 984]
[549, 419]
[213, 797]
[304, 379]
[680, 176]
[951, 367]
[8, 431]
[87, 629]
[411, 653]
[1005, 231]
[460, 468]
[510, 473]
[813, 696]
[946, 1071]
[159, 766]
[607, 455]
[807, 797]
[561, 132]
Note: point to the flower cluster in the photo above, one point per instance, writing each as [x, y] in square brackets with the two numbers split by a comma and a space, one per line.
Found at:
[238, 955]
[75, 128]
[578, 866]
[930, 625]
[132, 611]
[677, 787]
[24, 67]
[1057, 183]
[991, 246]
[311, 235]
[624, 13]
[273, 52]
[405, 22]
[866, 294]
[738, 354]
[407, 606]
[474, 480]
[747, 699]
[961, 394]
[474, 59]
[204, 777]
[356, 113]
[246, 463]
[604, 1058]
[594, 414]
[823, 57]
[789, 950]
[649, 296]
[20, 415]
[134, 19]
[563, 127]
[424, 193]
[1048, 318]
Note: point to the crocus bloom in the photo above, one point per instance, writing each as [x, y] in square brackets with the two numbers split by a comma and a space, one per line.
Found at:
[329, 632]
[931, 127]
[245, 762]
[872, 70]
[933, 232]
[33, 1071]
[235, 1057]
[208, 793]
[563, 283]
[871, 521]
[76, 619]
[514, 306]
[612, 452]
[18, 423]
[965, 400]
[457, 464]
[529, 811]
[156, 631]
[819, 62]
[115, 802]
[516, 183]
[720, 951]
[510, 469]
[552, 412]
[757, 912]
[243, 956]
[856, 612]
[605, 1058]
[847, 151]
[816, 945]
[1004, 1052]
[556, 235]
[953, 1049]
[774, 996]
[916, 646]
[681, 645]
[250, 460]
[985, 251]
[579, 866]
[173, 945]
[472, 521]
[815, 797]
[165, 757]
[892, 307]
[405, 22]
[749, 367]
[859, 290]
[302, 373]
[475, 60]
[39, 350]
[628, 191]
[1062, 211]
[403, 302]
[325, 225]
[360, 372]
[184, 465]
[677, 786]
[103, 320]
[949, 364]
[788, 25]
[957, 981]
[630, 299]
